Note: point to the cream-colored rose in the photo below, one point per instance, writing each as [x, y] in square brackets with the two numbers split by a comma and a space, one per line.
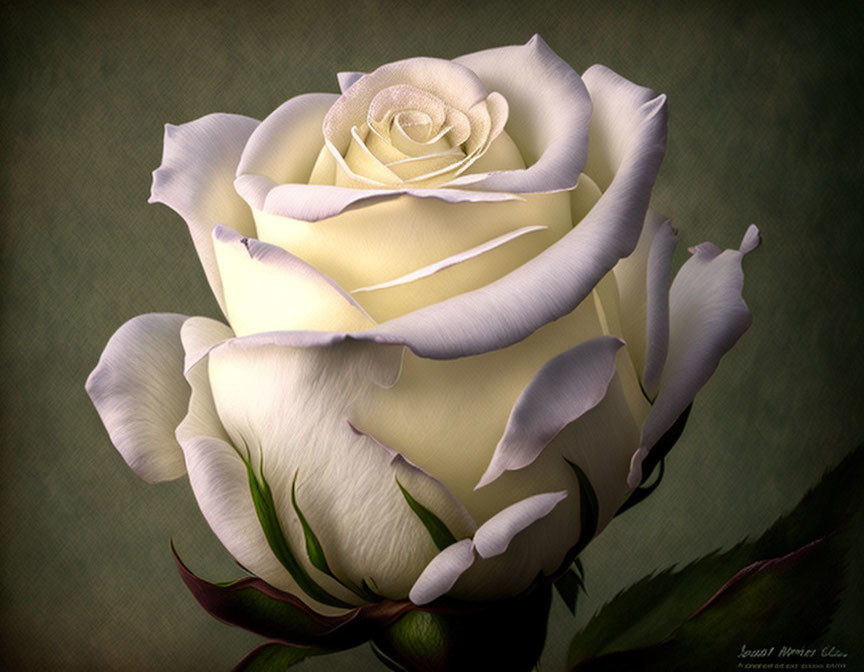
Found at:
[441, 286]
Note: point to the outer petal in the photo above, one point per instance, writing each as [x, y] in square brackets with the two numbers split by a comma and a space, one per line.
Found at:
[643, 289]
[494, 536]
[199, 336]
[196, 181]
[566, 387]
[140, 394]
[425, 488]
[442, 572]
[217, 474]
[448, 416]
[657, 306]
[346, 79]
[491, 539]
[616, 120]
[288, 406]
[707, 317]
[549, 116]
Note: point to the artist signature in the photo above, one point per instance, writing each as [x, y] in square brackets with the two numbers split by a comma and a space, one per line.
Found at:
[791, 652]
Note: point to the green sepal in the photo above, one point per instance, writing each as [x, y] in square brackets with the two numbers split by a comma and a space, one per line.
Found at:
[572, 580]
[276, 656]
[568, 586]
[314, 549]
[255, 605]
[441, 535]
[367, 593]
[640, 494]
[386, 660]
[589, 510]
[507, 635]
[656, 456]
[265, 507]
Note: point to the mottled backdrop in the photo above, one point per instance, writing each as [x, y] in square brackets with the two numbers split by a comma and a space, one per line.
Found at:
[765, 126]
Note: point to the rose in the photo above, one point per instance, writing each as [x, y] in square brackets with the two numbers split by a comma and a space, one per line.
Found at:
[439, 288]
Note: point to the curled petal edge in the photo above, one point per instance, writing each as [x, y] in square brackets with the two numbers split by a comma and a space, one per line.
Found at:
[560, 277]
[491, 539]
[565, 388]
[723, 319]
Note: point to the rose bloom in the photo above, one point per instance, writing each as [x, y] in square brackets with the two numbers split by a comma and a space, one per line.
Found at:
[440, 287]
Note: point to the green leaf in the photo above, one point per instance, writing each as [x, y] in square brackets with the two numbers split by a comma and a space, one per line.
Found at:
[276, 656]
[568, 586]
[439, 532]
[580, 570]
[665, 600]
[265, 507]
[787, 599]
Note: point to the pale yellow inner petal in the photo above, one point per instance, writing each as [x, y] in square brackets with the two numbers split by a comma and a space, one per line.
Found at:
[406, 234]
[263, 297]
[447, 416]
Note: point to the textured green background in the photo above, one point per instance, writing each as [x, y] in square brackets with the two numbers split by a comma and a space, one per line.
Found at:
[765, 127]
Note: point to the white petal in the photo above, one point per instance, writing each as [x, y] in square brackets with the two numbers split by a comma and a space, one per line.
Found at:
[643, 289]
[199, 335]
[549, 115]
[196, 181]
[268, 289]
[346, 79]
[616, 119]
[288, 407]
[283, 149]
[217, 473]
[447, 416]
[425, 488]
[221, 485]
[314, 202]
[441, 574]
[566, 387]
[140, 393]
[601, 443]
[657, 322]
[494, 536]
[707, 317]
